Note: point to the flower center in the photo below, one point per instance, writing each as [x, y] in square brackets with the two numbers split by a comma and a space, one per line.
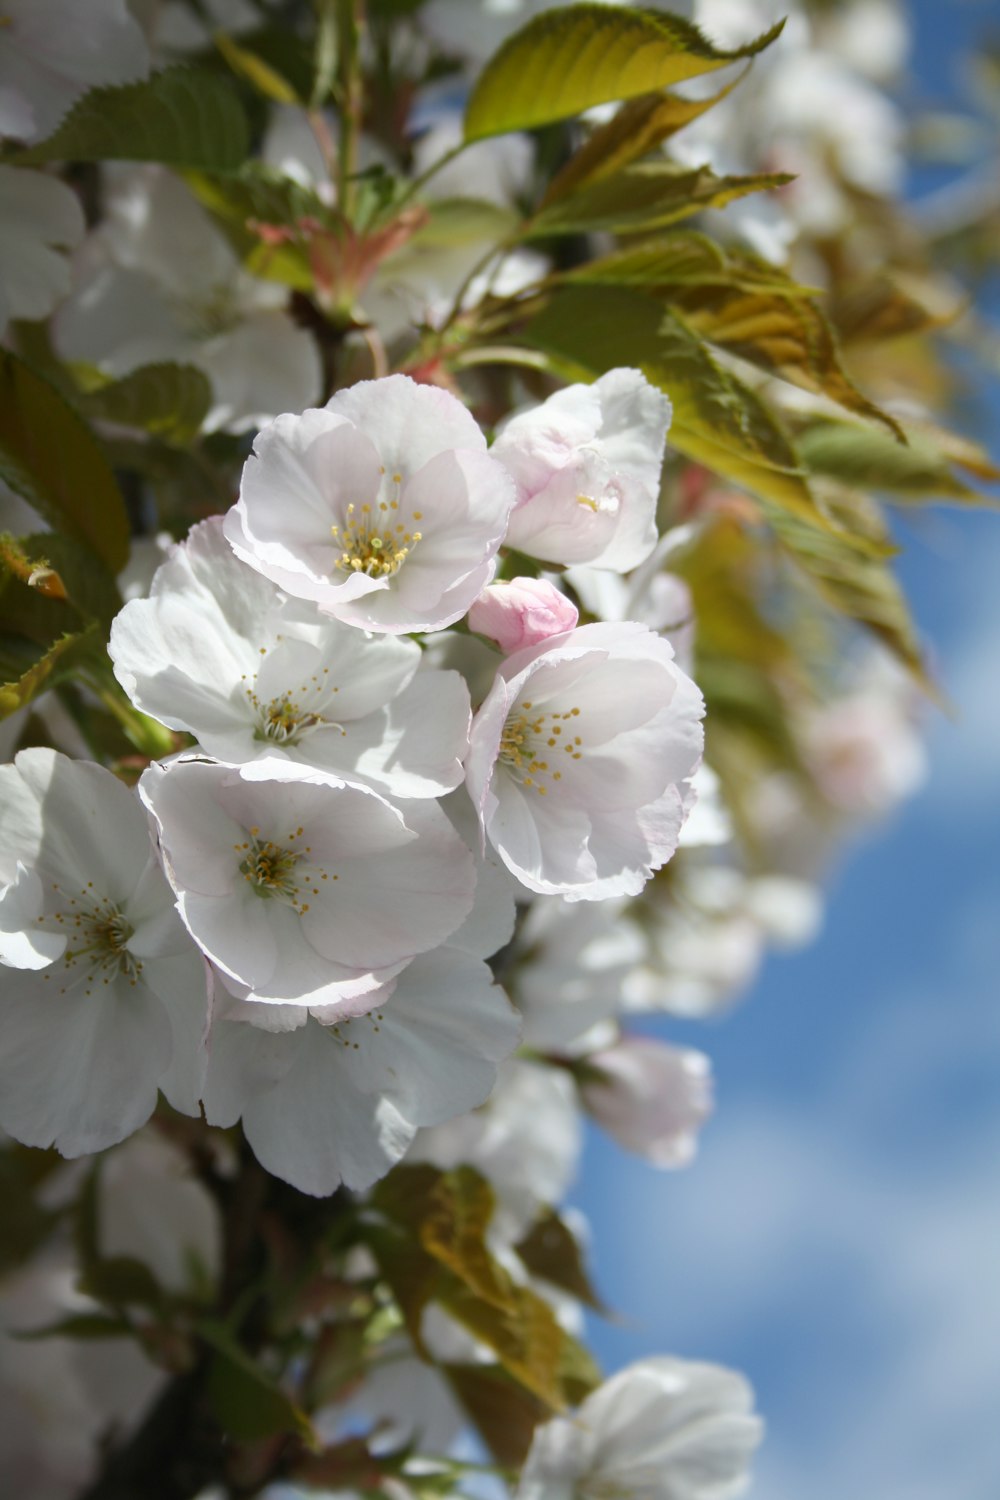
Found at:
[98, 934]
[279, 872]
[529, 737]
[373, 539]
[287, 718]
[204, 317]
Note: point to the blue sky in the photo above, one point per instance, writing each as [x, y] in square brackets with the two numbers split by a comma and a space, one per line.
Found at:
[838, 1237]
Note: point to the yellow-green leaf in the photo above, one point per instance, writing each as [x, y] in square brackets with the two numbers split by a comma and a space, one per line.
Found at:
[646, 197]
[636, 129]
[863, 456]
[49, 456]
[786, 336]
[568, 60]
[169, 401]
[265, 79]
[26, 671]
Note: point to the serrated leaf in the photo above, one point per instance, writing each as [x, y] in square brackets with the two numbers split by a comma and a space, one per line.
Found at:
[865, 457]
[550, 1251]
[718, 421]
[566, 61]
[787, 336]
[644, 198]
[679, 259]
[246, 1402]
[26, 671]
[640, 125]
[50, 457]
[170, 401]
[183, 117]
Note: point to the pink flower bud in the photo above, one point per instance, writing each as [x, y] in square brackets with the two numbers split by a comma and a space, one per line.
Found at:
[522, 613]
[650, 1097]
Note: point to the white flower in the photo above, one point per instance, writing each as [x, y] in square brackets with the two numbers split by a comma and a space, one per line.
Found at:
[217, 650]
[39, 217]
[523, 612]
[158, 281]
[652, 1098]
[52, 51]
[105, 998]
[661, 1429]
[384, 507]
[325, 1104]
[151, 1208]
[580, 956]
[303, 889]
[580, 760]
[587, 465]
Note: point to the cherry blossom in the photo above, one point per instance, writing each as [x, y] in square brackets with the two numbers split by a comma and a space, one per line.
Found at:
[661, 1429]
[39, 218]
[326, 1104]
[580, 760]
[258, 678]
[652, 1098]
[104, 999]
[157, 281]
[587, 465]
[301, 888]
[384, 507]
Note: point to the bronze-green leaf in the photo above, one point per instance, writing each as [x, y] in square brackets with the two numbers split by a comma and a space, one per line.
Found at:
[568, 60]
[645, 197]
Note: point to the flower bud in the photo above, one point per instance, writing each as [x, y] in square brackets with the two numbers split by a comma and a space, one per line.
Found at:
[524, 612]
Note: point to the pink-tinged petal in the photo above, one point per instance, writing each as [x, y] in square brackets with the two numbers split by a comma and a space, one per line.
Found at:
[587, 465]
[384, 508]
[523, 612]
[580, 758]
[652, 1098]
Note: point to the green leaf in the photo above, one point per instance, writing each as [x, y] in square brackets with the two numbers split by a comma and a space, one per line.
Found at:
[26, 671]
[120, 1280]
[184, 117]
[638, 127]
[86, 1326]
[170, 401]
[247, 1403]
[718, 421]
[50, 457]
[464, 221]
[265, 79]
[787, 336]
[644, 198]
[680, 259]
[550, 1251]
[566, 61]
[865, 457]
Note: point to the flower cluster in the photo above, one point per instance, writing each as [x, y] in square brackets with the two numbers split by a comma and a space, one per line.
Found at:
[359, 637]
[307, 868]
